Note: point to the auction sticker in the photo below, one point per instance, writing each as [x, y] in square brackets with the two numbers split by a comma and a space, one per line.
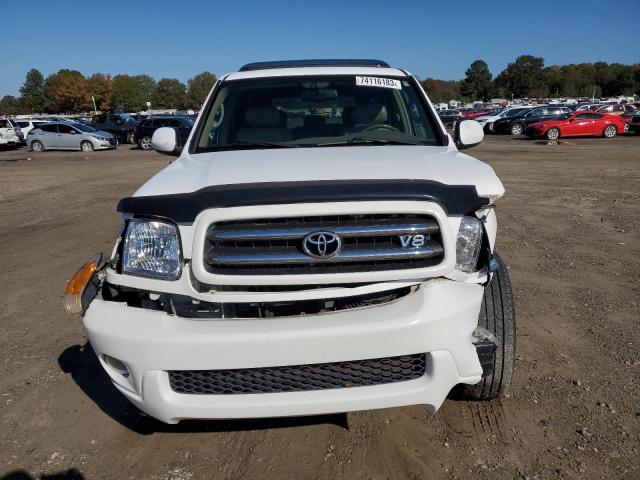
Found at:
[378, 82]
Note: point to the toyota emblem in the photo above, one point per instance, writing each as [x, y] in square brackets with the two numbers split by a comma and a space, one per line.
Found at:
[321, 244]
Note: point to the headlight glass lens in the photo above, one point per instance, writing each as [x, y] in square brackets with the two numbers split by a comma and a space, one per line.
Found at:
[468, 244]
[152, 249]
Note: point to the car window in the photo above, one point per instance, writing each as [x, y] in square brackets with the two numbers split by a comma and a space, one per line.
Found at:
[62, 128]
[23, 124]
[50, 127]
[595, 115]
[583, 116]
[316, 110]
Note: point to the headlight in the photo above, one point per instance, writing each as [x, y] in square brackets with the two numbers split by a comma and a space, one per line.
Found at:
[468, 244]
[100, 138]
[152, 249]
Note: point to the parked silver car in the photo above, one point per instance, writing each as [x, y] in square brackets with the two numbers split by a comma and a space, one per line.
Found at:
[69, 136]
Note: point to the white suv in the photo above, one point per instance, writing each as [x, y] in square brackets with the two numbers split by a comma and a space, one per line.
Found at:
[8, 133]
[320, 245]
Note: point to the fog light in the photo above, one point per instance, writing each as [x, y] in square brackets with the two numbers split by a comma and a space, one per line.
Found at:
[72, 300]
[116, 365]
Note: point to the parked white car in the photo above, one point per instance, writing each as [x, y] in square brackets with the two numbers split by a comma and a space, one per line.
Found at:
[321, 245]
[27, 124]
[8, 134]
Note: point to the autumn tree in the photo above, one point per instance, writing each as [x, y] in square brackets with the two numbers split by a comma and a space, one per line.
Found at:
[10, 105]
[477, 82]
[66, 92]
[198, 88]
[441, 90]
[100, 86]
[170, 93]
[32, 91]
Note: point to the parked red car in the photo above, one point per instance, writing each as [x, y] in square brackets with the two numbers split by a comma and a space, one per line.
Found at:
[577, 124]
[477, 113]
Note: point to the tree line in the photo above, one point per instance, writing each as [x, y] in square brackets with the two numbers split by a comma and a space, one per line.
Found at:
[528, 77]
[68, 91]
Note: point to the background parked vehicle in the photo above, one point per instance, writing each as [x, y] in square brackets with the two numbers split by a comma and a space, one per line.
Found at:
[142, 133]
[487, 121]
[614, 109]
[517, 124]
[69, 136]
[120, 125]
[18, 130]
[449, 117]
[8, 134]
[26, 125]
[588, 107]
[578, 124]
[634, 124]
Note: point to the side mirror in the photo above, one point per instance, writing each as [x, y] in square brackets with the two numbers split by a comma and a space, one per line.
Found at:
[467, 134]
[164, 140]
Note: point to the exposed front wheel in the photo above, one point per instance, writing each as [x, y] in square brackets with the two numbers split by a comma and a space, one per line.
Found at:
[553, 133]
[517, 129]
[610, 131]
[86, 146]
[145, 143]
[37, 146]
[498, 317]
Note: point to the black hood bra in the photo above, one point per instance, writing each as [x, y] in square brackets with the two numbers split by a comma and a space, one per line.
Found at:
[185, 207]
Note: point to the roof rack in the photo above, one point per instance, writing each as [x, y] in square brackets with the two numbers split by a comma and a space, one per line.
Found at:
[314, 63]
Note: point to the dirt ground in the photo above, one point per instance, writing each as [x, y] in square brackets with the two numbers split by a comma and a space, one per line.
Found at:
[569, 231]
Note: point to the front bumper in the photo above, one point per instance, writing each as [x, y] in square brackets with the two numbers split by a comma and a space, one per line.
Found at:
[438, 319]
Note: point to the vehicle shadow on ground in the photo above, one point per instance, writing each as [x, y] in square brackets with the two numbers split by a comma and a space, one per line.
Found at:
[81, 363]
[71, 474]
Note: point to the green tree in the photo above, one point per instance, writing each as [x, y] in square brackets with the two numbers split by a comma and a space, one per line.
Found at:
[198, 88]
[522, 78]
[147, 87]
[32, 91]
[66, 92]
[170, 93]
[477, 82]
[100, 86]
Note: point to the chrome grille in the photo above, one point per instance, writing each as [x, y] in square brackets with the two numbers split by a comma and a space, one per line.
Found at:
[370, 242]
[299, 378]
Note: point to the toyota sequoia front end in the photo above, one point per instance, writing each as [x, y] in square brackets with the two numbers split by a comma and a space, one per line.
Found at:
[320, 245]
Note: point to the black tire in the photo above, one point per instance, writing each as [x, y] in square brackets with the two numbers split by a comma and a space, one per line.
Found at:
[145, 143]
[551, 135]
[610, 131]
[497, 314]
[517, 129]
[37, 146]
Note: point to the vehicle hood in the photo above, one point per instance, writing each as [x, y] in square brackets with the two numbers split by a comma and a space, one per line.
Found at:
[485, 118]
[441, 164]
[101, 133]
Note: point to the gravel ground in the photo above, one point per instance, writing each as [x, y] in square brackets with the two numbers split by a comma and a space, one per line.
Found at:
[569, 229]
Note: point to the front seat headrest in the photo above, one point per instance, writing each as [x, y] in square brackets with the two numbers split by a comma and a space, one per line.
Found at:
[262, 116]
[369, 113]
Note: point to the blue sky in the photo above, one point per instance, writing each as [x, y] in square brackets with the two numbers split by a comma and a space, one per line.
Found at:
[430, 38]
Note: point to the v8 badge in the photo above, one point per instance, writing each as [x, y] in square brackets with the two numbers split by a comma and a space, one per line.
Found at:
[414, 241]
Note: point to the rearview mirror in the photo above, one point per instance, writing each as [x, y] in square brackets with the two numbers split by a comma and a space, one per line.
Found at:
[467, 134]
[164, 140]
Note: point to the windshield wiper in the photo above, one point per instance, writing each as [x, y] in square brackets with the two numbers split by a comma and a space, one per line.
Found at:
[247, 145]
[369, 141]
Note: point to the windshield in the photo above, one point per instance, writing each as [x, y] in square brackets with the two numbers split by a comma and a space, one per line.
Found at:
[316, 111]
[84, 128]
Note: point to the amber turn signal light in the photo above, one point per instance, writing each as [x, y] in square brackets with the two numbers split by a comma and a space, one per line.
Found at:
[75, 286]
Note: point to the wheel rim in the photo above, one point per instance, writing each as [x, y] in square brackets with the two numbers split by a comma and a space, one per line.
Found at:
[37, 147]
[146, 143]
[553, 134]
[516, 129]
[130, 138]
[86, 147]
[609, 131]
